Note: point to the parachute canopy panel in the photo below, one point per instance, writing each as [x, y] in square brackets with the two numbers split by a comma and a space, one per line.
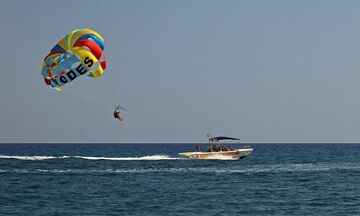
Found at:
[81, 52]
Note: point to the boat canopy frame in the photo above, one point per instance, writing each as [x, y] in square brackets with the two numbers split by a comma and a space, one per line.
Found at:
[216, 139]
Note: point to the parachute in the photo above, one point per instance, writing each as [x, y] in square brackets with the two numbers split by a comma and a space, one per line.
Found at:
[79, 53]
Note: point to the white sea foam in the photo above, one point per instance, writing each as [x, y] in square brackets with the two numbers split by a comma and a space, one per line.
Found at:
[151, 157]
[236, 168]
[29, 157]
[298, 167]
[33, 158]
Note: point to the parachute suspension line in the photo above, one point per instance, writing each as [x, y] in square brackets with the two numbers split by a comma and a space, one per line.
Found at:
[106, 94]
[87, 93]
[116, 97]
[86, 96]
[94, 93]
[104, 90]
[108, 91]
[89, 98]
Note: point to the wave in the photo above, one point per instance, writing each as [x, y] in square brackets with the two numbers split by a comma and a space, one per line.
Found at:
[151, 157]
[298, 167]
[31, 157]
[272, 168]
[34, 158]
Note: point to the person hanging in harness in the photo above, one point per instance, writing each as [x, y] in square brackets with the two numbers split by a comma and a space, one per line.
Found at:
[117, 113]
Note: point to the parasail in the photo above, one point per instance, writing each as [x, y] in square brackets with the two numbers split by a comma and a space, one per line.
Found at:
[79, 53]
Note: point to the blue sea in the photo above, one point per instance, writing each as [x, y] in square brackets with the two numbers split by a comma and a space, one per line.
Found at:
[151, 179]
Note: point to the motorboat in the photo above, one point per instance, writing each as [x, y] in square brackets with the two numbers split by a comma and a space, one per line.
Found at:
[220, 155]
[219, 152]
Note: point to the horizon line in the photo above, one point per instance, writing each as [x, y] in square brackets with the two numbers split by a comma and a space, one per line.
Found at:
[1, 143]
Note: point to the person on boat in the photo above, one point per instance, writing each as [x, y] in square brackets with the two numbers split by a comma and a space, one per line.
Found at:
[213, 148]
[197, 147]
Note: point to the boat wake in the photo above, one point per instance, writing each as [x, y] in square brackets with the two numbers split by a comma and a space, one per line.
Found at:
[35, 158]
[32, 158]
[150, 158]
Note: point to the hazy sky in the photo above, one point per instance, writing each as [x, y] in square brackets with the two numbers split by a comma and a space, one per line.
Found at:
[264, 71]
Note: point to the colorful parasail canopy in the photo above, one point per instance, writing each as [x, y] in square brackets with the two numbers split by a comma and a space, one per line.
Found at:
[81, 52]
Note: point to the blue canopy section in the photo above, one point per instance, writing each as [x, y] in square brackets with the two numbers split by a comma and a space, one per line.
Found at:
[225, 138]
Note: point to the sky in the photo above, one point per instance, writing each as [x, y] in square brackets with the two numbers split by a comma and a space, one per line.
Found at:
[264, 71]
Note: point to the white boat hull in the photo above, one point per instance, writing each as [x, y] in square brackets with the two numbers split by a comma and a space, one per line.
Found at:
[221, 155]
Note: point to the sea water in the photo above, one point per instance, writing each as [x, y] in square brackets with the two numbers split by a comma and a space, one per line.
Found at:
[151, 179]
